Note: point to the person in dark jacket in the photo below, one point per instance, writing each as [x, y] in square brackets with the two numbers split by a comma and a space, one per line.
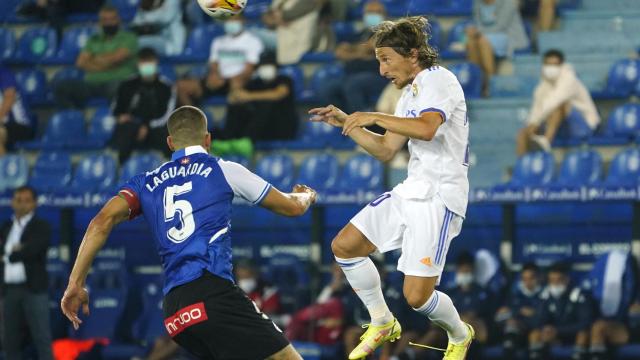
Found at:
[517, 317]
[142, 107]
[565, 315]
[23, 249]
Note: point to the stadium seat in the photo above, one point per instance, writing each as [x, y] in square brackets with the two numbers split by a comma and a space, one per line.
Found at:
[624, 122]
[14, 171]
[277, 169]
[329, 71]
[454, 47]
[238, 159]
[198, 43]
[362, 171]
[150, 325]
[345, 31]
[33, 86]
[65, 130]
[254, 10]
[138, 164]
[100, 128]
[73, 40]
[533, 169]
[126, 8]
[94, 173]
[51, 172]
[470, 77]
[582, 167]
[107, 307]
[512, 86]
[318, 135]
[319, 171]
[7, 43]
[623, 78]
[624, 169]
[425, 7]
[58, 277]
[396, 8]
[36, 44]
[297, 76]
[287, 272]
[168, 72]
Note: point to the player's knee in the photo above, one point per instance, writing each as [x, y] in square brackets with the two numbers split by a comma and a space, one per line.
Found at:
[416, 297]
[599, 327]
[340, 248]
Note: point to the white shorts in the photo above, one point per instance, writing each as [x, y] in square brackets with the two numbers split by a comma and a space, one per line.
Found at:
[422, 228]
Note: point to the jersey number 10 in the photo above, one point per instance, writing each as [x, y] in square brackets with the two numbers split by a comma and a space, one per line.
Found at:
[184, 210]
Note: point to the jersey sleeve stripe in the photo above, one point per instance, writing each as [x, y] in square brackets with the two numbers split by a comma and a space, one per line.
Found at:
[262, 194]
[444, 116]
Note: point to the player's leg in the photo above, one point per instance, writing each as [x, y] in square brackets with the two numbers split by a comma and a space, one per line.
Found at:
[288, 353]
[555, 120]
[188, 90]
[581, 347]
[605, 332]
[523, 137]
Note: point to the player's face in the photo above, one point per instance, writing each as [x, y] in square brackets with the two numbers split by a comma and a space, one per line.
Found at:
[529, 279]
[395, 67]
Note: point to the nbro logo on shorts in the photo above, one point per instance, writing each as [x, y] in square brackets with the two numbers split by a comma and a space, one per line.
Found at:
[185, 317]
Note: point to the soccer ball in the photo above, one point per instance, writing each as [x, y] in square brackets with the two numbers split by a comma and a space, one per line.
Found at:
[221, 9]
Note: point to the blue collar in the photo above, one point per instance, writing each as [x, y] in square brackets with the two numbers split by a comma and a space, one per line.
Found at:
[189, 150]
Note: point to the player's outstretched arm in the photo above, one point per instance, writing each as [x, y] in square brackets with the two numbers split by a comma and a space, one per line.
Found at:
[114, 212]
[295, 203]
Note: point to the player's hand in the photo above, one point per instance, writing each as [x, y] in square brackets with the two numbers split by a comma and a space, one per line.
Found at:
[298, 189]
[74, 297]
[358, 119]
[329, 114]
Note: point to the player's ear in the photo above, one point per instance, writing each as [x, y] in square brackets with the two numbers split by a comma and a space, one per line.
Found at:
[414, 55]
[170, 143]
[207, 141]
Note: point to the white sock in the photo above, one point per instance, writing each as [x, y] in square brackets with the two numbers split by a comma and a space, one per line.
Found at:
[440, 310]
[365, 281]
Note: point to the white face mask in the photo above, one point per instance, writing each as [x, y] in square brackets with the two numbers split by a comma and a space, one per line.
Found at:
[557, 290]
[526, 291]
[267, 72]
[551, 72]
[464, 279]
[247, 285]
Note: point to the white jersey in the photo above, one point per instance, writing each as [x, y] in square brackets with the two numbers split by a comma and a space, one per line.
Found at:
[437, 167]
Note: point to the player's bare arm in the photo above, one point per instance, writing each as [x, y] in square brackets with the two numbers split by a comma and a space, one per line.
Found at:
[295, 203]
[422, 127]
[114, 212]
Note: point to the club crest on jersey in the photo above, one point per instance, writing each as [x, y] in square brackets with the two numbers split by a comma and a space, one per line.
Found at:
[185, 161]
[414, 90]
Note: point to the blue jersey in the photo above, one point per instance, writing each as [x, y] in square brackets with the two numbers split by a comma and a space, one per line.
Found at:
[187, 204]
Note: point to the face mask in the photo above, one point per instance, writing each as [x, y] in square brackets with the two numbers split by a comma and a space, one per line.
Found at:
[267, 72]
[232, 27]
[147, 69]
[110, 30]
[551, 72]
[247, 285]
[557, 290]
[526, 292]
[372, 19]
[464, 279]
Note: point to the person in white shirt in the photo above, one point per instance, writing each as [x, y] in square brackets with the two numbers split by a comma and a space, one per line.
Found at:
[560, 96]
[425, 212]
[232, 61]
[23, 250]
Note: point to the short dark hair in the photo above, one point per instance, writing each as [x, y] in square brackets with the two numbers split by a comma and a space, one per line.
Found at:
[147, 53]
[530, 266]
[406, 34]
[465, 258]
[554, 53]
[559, 267]
[28, 189]
[186, 125]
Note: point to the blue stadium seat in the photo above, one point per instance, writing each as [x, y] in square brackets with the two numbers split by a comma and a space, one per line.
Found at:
[362, 172]
[624, 122]
[51, 172]
[512, 86]
[150, 325]
[107, 307]
[94, 173]
[297, 76]
[126, 8]
[36, 44]
[33, 86]
[7, 43]
[424, 7]
[318, 135]
[73, 40]
[470, 77]
[277, 169]
[533, 169]
[624, 169]
[199, 43]
[623, 78]
[254, 10]
[583, 167]
[320, 171]
[436, 38]
[14, 171]
[138, 164]
[329, 71]
[238, 159]
[287, 272]
[71, 72]
[65, 130]
[396, 8]
[454, 47]
[345, 31]
[100, 128]
[168, 72]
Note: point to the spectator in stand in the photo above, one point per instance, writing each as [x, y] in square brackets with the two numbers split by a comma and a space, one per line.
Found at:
[265, 296]
[232, 60]
[497, 31]
[24, 241]
[560, 96]
[264, 109]
[362, 84]
[517, 317]
[108, 58]
[55, 11]
[564, 316]
[543, 10]
[142, 107]
[295, 23]
[159, 26]
[16, 124]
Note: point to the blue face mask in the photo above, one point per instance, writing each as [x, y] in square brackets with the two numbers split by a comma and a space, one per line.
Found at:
[372, 19]
[232, 27]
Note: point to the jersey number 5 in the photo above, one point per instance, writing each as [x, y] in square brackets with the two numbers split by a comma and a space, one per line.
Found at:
[184, 210]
